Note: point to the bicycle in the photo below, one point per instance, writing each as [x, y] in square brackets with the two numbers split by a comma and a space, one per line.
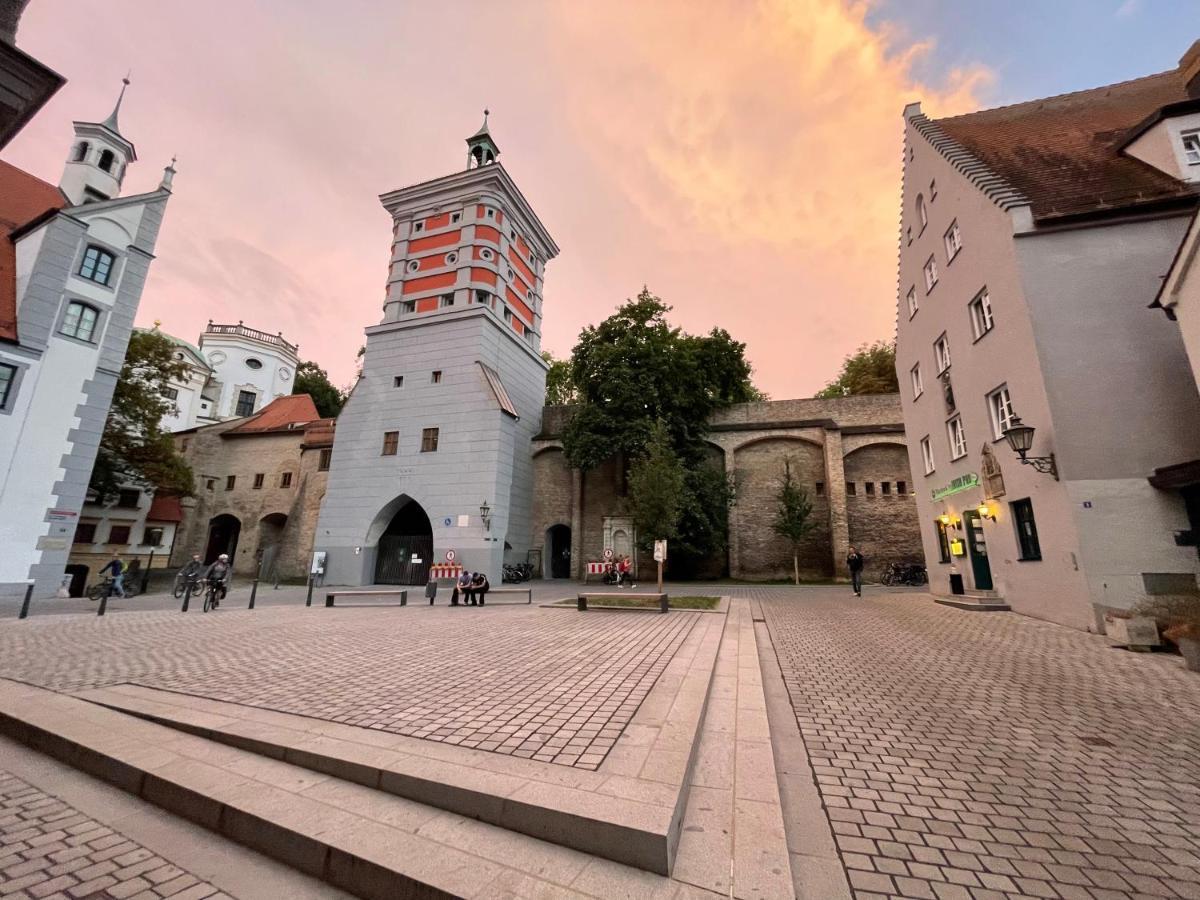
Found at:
[104, 588]
[211, 600]
[181, 583]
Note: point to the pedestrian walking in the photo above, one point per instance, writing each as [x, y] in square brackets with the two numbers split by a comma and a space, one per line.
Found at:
[854, 562]
[117, 568]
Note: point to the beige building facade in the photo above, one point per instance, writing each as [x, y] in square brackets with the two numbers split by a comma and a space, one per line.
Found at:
[1023, 295]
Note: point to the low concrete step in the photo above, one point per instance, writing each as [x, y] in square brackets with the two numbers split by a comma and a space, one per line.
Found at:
[980, 601]
[367, 842]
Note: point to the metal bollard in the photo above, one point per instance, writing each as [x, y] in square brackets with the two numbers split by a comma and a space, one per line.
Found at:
[581, 603]
[663, 603]
[187, 595]
[253, 591]
[308, 602]
[104, 602]
[24, 613]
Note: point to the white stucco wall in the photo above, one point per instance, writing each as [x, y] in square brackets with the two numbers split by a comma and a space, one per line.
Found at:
[227, 354]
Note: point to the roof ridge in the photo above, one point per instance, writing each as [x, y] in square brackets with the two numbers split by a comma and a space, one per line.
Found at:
[991, 183]
[1063, 96]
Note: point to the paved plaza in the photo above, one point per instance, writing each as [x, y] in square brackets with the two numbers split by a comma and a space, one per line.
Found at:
[957, 755]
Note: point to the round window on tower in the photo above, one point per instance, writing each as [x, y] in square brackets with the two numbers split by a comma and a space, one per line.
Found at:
[486, 253]
[253, 363]
[285, 374]
[413, 265]
[451, 258]
[509, 274]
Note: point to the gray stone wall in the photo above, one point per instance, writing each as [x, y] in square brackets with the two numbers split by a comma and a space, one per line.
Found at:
[883, 527]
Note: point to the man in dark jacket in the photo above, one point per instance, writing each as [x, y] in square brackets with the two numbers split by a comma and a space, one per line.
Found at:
[854, 561]
[478, 589]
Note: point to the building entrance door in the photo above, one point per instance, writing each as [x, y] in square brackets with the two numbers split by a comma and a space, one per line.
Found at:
[405, 549]
[977, 550]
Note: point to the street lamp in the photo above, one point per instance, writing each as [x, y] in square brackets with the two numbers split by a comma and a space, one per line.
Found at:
[485, 513]
[1020, 438]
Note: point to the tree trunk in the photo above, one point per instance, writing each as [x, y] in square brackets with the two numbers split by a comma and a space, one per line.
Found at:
[796, 565]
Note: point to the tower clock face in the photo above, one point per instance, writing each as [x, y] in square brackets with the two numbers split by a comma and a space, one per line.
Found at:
[285, 374]
[216, 358]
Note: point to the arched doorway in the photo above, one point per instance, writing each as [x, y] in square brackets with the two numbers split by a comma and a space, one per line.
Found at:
[270, 540]
[223, 532]
[558, 551]
[405, 549]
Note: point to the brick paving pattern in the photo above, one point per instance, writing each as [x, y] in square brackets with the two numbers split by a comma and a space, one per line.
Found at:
[972, 756]
[50, 851]
[553, 686]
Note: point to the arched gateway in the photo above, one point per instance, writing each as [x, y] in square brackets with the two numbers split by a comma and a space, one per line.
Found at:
[404, 543]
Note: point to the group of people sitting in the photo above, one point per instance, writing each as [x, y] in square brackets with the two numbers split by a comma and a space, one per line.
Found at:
[620, 572]
[473, 586]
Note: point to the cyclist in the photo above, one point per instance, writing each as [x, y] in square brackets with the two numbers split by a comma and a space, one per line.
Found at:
[219, 573]
[118, 575]
[191, 572]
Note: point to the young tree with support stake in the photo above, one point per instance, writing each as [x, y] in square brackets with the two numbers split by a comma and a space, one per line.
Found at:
[793, 518]
[656, 483]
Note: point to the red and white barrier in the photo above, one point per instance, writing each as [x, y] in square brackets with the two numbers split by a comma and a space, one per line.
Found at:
[441, 571]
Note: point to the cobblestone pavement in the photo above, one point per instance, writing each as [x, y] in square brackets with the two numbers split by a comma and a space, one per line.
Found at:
[50, 851]
[556, 686]
[968, 756]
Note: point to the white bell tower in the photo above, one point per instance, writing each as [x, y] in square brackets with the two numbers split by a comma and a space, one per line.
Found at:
[96, 164]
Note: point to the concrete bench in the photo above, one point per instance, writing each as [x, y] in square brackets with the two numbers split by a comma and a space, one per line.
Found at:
[332, 595]
[582, 599]
[528, 592]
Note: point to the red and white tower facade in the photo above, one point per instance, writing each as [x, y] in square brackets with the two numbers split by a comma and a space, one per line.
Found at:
[432, 450]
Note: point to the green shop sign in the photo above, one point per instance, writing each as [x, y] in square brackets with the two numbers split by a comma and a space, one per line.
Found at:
[958, 485]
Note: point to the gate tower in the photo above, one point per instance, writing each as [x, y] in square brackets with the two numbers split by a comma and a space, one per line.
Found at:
[432, 449]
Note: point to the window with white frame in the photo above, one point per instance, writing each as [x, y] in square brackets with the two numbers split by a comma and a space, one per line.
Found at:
[941, 354]
[953, 239]
[931, 274]
[918, 385]
[958, 438]
[1191, 147]
[981, 314]
[912, 302]
[922, 212]
[927, 454]
[1000, 411]
[80, 321]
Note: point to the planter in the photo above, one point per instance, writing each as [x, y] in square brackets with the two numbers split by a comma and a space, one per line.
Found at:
[1136, 633]
[1190, 649]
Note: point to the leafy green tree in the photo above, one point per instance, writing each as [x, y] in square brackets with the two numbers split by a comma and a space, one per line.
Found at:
[311, 379]
[793, 516]
[656, 488]
[134, 449]
[871, 369]
[559, 387]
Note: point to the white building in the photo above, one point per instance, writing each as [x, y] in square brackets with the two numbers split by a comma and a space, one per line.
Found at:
[250, 368]
[73, 261]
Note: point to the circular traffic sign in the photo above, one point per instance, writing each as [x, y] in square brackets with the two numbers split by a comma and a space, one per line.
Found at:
[449, 556]
[608, 554]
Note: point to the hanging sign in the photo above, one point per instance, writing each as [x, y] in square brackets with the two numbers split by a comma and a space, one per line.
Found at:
[957, 548]
[958, 485]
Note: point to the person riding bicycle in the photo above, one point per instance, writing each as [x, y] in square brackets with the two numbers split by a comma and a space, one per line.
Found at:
[117, 568]
[193, 569]
[219, 573]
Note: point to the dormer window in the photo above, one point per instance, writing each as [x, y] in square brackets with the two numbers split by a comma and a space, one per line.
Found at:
[81, 151]
[107, 158]
[96, 265]
[1191, 147]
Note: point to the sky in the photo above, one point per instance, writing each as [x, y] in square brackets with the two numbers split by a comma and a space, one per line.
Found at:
[741, 159]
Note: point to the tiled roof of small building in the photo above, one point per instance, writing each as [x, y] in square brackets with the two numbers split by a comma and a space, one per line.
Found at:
[1064, 153]
[288, 413]
[165, 509]
[23, 198]
[319, 433]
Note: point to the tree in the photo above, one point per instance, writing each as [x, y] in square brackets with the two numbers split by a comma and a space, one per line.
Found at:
[559, 388]
[656, 483]
[793, 517]
[133, 448]
[871, 369]
[311, 379]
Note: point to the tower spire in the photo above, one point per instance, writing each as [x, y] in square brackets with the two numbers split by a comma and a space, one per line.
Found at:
[481, 149]
[111, 121]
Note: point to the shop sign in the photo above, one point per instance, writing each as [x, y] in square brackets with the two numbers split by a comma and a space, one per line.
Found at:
[957, 548]
[958, 485]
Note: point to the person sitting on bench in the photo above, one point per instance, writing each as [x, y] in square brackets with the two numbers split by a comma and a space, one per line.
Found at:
[478, 589]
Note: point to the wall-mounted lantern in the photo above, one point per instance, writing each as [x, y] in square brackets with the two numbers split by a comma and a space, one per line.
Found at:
[485, 513]
[985, 511]
[1020, 438]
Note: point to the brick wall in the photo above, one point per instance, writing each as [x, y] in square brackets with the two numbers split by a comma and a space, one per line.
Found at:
[883, 527]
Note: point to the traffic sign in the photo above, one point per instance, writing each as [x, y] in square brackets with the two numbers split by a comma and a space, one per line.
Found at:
[449, 556]
[608, 554]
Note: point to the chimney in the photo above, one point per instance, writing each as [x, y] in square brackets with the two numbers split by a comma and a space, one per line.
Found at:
[1189, 68]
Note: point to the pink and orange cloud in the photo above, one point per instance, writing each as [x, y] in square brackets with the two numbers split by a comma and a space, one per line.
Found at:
[741, 159]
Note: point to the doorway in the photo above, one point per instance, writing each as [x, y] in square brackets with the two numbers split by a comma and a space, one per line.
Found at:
[558, 548]
[405, 549]
[270, 540]
[223, 533]
[977, 550]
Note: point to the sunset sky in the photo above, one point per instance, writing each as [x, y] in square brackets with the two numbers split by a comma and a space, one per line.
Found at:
[741, 159]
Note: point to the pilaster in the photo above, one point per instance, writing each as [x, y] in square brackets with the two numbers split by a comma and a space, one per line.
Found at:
[835, 486]
[577, 524]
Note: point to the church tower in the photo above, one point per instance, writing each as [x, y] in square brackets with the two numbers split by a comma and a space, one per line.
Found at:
[432, 450]
[99, 155]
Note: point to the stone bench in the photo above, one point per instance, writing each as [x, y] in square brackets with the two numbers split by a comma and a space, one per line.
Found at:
[332, 595]
[528, 592]
[582, 599]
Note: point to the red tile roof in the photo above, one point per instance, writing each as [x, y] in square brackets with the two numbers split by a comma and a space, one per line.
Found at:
[23, 198]
[1063, 153]
[281, 414]
[319, 433]
[165, 509]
